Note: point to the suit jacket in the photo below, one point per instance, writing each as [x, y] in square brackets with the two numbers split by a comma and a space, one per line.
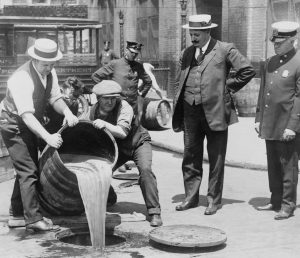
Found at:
[215, 86]
[278, 105]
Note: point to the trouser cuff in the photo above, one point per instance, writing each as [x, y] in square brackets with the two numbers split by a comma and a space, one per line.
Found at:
[153, 211]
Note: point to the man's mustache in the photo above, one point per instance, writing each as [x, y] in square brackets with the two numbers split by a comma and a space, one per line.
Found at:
[194, 41]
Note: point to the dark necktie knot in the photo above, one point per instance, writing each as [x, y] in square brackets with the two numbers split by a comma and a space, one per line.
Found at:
[200, 56]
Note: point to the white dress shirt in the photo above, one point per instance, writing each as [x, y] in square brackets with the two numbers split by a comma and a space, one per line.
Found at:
[204, 48]
[21, 87]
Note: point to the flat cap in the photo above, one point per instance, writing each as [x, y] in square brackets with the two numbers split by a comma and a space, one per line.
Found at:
[107, 88]
[283, 30]
[134, 46]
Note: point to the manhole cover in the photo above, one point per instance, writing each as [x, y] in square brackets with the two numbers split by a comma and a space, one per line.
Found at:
[188, 236]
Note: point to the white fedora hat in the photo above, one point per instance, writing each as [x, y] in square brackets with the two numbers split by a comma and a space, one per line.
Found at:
[200, 22]
[45, 50]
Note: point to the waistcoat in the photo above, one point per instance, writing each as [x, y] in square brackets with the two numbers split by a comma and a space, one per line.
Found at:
[40, 95]
[192, 93]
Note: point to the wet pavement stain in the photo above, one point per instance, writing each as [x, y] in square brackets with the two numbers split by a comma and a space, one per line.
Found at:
[136, 255]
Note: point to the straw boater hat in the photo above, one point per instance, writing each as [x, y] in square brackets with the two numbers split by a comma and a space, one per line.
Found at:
[200, 22]
[45, 50]
[107, 88]
[283, 30]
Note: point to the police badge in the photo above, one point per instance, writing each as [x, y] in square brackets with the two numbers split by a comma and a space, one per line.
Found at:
[285, 73]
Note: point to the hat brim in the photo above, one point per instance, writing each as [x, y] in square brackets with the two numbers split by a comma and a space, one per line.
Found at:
[278, 39]
[134, 50]
[213, 25]
[109, 95]
[33, 55]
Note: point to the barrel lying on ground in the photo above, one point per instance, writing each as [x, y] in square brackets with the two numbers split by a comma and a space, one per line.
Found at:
[58, 186]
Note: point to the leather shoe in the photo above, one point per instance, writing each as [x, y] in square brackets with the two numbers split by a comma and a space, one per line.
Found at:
[211, 209]
[186, 205]
[282, 214]
[155, 220]
[267, 207]
[42, 225]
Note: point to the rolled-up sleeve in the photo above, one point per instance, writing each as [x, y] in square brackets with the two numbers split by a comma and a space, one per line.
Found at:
[125, 116]
[20, 87]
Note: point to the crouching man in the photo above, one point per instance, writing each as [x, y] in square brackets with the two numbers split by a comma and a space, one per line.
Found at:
[116, 115]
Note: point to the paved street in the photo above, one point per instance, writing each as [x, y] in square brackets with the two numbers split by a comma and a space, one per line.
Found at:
[249, 233]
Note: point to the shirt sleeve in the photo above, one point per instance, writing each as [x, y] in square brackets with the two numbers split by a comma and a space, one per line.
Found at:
[55, 93]
[125, 116]
[20, 87]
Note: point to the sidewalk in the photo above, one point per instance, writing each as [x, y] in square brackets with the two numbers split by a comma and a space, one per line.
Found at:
[244, 148]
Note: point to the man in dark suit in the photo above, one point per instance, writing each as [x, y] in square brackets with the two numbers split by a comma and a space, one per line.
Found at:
[203, 107]
[278, 118]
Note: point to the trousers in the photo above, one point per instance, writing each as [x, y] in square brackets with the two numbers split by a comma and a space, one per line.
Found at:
[196, 129]
[142, 157]
[282, 158]
[22, 146]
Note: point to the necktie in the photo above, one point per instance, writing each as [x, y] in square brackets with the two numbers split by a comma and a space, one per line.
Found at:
[200, 56]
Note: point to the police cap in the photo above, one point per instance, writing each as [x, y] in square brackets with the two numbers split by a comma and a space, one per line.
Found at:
[283, 30]
[134, 46]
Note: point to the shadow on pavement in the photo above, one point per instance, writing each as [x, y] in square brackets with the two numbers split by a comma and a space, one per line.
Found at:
[176, 249]
[203, 200]
[258, 201]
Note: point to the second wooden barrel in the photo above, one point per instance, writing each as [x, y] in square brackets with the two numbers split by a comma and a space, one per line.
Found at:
[246, 98]
[156, 114]
[58, 187]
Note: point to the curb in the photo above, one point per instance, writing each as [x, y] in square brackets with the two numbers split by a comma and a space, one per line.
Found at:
[229, 163]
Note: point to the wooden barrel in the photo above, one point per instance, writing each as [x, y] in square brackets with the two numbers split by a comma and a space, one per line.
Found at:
[246, 98]
[156, 114]
[58, 187]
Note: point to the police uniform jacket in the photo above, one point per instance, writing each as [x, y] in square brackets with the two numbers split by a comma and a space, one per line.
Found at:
[278, 105]
[215, 86]
[127, 74]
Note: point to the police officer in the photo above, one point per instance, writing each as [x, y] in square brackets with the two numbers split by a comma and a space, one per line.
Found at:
[107, 54]
[127, 72]
[278, 118]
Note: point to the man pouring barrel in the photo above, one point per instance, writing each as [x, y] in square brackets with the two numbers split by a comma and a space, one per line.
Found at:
[134, 142]
[29, 89]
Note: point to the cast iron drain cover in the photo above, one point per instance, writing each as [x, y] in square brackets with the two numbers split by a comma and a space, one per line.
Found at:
[188, 236]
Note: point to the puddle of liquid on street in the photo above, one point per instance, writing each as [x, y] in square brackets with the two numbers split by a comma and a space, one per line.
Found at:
[84, 239]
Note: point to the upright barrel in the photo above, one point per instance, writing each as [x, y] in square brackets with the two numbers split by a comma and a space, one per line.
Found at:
[156, 114]
[58, 187]
[246, 98]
